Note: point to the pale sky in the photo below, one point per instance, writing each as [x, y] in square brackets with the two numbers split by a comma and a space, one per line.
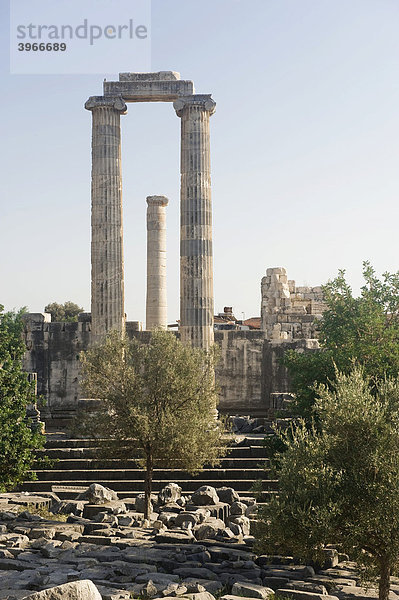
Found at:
[304, 142]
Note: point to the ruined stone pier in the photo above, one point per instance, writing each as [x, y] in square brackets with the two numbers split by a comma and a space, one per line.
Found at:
[107, 282]
[156, 301]
[196, 256]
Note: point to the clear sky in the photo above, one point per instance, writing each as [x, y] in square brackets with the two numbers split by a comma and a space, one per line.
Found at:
[304, 141]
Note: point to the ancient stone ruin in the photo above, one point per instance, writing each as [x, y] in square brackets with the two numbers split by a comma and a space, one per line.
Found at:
[194, 547]
[196, 266]
[251, 378]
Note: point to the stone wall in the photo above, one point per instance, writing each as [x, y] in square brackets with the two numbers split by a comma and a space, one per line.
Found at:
[250, 374]
[289, 312]
[52, 352]
[239, 371]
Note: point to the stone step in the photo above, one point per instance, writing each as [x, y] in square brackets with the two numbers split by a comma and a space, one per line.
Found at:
[129, 486]
[66, 492]
[94, 451]
[116, 463]
[79, 462]
[166, 475]
[66, 442]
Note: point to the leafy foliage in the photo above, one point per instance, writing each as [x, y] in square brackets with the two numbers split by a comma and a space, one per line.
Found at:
[162, 394]
[17, 442]
[67, 312]
[339, 483]
[363, 330]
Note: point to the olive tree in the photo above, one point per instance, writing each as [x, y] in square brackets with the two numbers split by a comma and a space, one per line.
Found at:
[17, 441]
[362, 330]
[339, 482]
[159, 400]
[67, 312]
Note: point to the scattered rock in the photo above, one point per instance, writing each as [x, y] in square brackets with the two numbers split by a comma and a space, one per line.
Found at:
[251, 590]
[227, 494]
[174, 537]
[206, 495]
[305, 586]
[238, 508]
[114, 507]
[210, 529]
[170, 493]
[198, 557]
[243, 522]
[98, 494]
[300, 595]
[140, 504]
[186, 517]
[68, 507]
[75, 590]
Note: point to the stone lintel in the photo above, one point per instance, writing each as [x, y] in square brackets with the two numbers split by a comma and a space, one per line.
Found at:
[159, 76]
[204, 101]
[149, 91]
[157, 201]
[115, 101]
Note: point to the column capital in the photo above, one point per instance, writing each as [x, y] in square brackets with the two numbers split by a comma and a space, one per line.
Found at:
[114, 102]
[157, 201]
[203, 101]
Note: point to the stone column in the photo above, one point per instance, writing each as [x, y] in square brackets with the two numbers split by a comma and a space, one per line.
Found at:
[196, 257]
[156, 304]
[107, 280]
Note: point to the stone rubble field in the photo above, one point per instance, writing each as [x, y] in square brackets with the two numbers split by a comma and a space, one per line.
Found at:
[196, 547]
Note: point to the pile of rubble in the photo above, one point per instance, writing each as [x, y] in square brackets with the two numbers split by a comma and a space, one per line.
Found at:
[241, 424]
[196, 547]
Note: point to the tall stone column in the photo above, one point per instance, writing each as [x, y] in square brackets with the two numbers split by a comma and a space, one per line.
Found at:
[107, 279]
[156, 304]
[196, 256]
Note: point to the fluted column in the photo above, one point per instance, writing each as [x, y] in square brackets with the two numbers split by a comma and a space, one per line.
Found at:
[107, 279]
[196, 256]
[156, 303]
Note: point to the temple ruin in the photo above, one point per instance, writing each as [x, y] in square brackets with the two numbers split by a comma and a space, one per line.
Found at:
[250, 376]
[196, 261]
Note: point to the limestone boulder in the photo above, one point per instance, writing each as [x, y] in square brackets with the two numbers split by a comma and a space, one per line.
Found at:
[235, 529]
[46, 532]
[300, 595]
[200, 596]
[170, 493]
[251, 590]
[167, 519]
[175, 537]
[175, 590]
[210, 529]
[68, 507]
[174, 507]
[115, 507]
[14, 540]
[74, 590]
[243, 522]
[139, 504]
[98, 494]
[158, 578]
[305, 586]
[185, 517]
[206, 495]
[203, 585]
[238, 508]
[227, 495]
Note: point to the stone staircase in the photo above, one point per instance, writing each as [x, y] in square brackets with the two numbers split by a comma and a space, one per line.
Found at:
[77, 464]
